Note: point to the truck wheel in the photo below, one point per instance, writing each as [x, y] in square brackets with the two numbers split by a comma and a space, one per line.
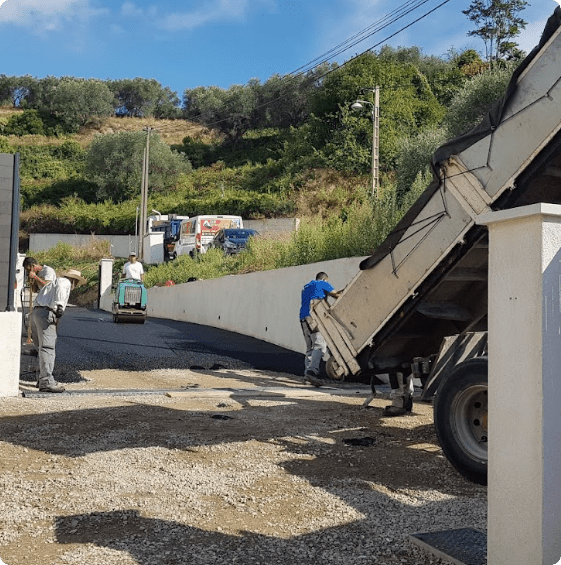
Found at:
[460, 419]
[333, 370]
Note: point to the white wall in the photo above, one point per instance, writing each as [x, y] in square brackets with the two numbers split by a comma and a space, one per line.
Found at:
[264, 305]
[273, 225]
[121, 245]
[10, 338]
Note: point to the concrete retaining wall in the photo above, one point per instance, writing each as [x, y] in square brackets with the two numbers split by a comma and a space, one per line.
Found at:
[273, 226]
[264, 305]
[121, 245]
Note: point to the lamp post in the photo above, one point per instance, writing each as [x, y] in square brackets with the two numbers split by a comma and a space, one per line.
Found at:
[375, 109]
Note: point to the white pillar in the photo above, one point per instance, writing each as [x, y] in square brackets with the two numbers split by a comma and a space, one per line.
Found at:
[105, 282]
[10, 352]
[524, 519]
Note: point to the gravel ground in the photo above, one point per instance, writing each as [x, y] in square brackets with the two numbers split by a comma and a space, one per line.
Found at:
[233, 465]
[243, 466]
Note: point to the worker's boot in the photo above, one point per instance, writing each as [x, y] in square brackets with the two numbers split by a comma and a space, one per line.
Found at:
[313, 379]
[50, 386]
[400, 407]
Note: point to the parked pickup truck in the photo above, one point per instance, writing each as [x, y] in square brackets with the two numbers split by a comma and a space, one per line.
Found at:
[419, 303]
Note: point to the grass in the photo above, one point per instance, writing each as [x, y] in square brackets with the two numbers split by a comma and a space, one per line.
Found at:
[84, 258]
[361, 227]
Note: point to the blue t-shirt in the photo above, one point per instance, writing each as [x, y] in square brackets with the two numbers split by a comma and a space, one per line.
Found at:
[312, 291]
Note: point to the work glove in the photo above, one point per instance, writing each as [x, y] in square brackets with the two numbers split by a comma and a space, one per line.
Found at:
[59, 311]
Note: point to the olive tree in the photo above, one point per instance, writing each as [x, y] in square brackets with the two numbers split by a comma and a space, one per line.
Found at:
[231, 111]
[114, 163]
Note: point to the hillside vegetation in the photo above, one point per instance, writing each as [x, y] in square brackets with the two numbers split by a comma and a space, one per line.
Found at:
[288, 147]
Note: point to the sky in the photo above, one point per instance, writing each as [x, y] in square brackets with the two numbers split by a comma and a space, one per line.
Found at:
[189, 43]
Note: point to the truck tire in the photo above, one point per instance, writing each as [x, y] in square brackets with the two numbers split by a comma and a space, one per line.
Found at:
[460, 419]
[332, 370]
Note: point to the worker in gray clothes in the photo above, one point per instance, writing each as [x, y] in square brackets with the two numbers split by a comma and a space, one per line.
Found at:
[48, 308]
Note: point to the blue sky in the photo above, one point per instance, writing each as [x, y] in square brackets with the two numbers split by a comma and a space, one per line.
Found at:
[189, 43]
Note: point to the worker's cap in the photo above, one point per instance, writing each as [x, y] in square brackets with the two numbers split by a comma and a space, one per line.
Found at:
[132, 254]
[74, 274]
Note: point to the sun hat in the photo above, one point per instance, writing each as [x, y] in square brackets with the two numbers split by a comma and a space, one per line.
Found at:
[74, 274]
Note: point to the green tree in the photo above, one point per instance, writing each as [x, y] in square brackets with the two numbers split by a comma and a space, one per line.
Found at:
[231, 111]
[15, 90]
[498, 23]
[141, 97]
[114, 163]
[284, 101]
[76, 102]
[407, 105]
[475, 99]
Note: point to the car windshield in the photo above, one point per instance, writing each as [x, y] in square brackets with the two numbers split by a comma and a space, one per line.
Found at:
[238, 234]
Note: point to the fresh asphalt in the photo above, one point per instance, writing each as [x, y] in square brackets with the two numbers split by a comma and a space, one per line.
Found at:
[89, 339]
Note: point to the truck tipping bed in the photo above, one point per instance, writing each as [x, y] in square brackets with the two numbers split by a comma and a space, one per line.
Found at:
[428, 280]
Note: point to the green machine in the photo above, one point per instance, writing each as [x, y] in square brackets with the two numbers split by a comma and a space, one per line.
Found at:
[130, 302]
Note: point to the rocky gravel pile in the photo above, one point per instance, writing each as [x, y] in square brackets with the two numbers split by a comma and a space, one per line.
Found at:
[275, 473]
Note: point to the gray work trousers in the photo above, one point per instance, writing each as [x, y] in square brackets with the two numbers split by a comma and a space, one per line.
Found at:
[43, 331]
[316, 348]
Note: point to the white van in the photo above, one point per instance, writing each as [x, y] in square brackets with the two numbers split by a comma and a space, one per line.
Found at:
[197, 232]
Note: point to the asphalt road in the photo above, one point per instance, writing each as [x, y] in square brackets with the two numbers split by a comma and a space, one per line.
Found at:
[89, 339]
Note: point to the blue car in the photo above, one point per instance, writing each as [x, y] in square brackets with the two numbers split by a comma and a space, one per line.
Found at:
[232, 240]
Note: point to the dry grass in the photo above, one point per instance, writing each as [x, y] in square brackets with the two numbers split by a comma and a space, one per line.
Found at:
[9, 110]
[171, 131]
[326, 190]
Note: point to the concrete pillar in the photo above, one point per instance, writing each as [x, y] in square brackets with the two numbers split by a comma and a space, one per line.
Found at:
[524, 519]
[105, 283]
[10, 352]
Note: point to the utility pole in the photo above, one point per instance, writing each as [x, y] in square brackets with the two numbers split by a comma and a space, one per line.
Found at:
[375, 110]
[144, 194]
[376, 142]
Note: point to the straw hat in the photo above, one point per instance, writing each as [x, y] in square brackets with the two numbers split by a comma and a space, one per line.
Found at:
[74, 274]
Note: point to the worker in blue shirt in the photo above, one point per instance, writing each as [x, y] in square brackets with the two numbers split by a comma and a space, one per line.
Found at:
[316, 347]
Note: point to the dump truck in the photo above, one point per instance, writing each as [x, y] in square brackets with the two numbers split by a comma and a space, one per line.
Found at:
[418, 305]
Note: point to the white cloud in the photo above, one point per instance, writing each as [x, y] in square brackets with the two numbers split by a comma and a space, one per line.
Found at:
[218, 10]
[130, 9]
[530, 36]
[47, 15]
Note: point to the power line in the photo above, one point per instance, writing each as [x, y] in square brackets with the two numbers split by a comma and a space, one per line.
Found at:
[318, 78]
[399, 13]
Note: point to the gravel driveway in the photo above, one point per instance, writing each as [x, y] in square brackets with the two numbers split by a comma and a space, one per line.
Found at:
[234, 465]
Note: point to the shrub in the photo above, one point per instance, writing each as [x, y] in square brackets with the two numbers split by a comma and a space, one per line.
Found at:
[415, 155]
[28, 122]
[475, 99]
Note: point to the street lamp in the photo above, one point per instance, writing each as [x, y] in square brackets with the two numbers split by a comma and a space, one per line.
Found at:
[375, 110]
